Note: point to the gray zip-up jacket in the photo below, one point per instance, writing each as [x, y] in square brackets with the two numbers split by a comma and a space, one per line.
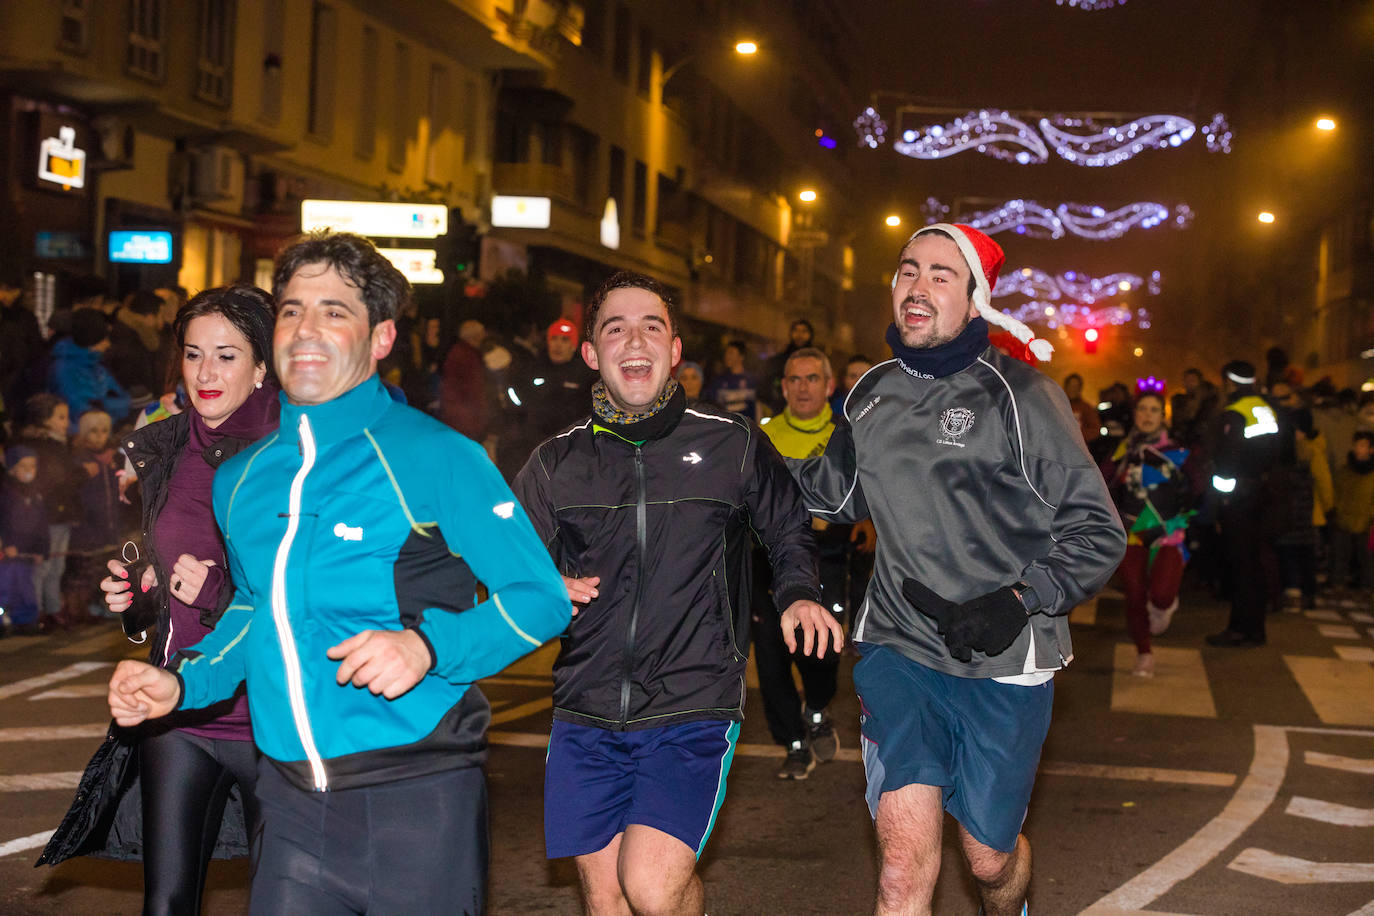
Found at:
[974, 481]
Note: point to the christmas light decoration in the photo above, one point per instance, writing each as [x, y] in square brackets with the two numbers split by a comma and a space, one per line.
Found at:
[1090, 5]
[871, 128]
[934, 211]
[1035, 220]
[1072, 315]
[1079, 287]
[1077, 138]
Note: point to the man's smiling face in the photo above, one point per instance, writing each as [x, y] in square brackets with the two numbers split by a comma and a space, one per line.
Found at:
[633, 347]
[931, 304]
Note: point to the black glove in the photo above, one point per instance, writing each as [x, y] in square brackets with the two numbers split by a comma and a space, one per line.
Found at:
[989, 623]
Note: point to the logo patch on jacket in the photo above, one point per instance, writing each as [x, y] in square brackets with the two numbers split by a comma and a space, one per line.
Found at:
[954, 422]
[343, 532]
[866, 408]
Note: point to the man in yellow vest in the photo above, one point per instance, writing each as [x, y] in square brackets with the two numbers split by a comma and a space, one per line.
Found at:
[801, 431]
[1249, 443]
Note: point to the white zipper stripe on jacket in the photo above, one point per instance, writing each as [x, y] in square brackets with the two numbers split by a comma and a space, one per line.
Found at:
[294, 684]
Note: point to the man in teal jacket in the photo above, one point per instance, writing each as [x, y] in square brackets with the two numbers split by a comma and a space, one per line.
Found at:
[357, 536]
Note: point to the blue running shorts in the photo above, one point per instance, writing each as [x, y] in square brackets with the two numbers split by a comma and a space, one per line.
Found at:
[976, 739]
[596, 782]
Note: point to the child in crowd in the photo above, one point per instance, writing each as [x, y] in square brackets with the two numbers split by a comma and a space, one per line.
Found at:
[1354, 514]
[96, 535]
[23, 540]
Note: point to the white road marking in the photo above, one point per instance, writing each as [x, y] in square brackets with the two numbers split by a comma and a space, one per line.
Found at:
[54, 677]
[1256, 793]
[1339, 691]
[1330, 812]
[1337, 762]
[1332, 616]
[1366, 910]
[1361, 617]
[1355, 653]
[1338, 631]
[1139, 774]
[93, 645]
[1291, 870]
[1179, 687]
[54, 732]
[36, 782]
[33, 841]
[73, 692]
[523, 710]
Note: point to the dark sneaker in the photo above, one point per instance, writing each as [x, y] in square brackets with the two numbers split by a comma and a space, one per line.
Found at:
[799, 763]
[825, 743]
[1234, 639]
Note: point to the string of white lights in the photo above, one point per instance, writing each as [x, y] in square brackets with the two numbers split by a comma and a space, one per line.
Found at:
[1076, 138]
[1071, 315]
[1035, 220]
[1091, 5]
[1080, 287]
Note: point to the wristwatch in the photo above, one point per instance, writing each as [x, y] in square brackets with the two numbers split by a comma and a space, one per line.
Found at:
[1027, 596]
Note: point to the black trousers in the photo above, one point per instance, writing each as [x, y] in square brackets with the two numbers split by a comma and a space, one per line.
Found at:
[417, 846]
[1242, 537]
[781, 702]
[185, 783]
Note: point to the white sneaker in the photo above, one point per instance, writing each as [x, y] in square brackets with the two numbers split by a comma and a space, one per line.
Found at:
[1160, 618]
[1144, 666]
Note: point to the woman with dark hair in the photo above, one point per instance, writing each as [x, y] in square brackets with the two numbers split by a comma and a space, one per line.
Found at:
[1153, 493]
[190, 762]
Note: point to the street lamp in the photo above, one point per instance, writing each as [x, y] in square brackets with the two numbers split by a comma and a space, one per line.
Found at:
[807, 196]
[743, 48]
[1325, 123]
[1265, 217]
[893, 220]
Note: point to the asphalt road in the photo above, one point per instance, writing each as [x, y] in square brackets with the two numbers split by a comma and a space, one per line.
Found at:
[1236, 782]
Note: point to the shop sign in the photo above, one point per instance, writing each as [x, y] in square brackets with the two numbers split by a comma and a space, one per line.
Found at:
[55, 245]
[521, 212]
[60, 162]
[416, 263]
[140, 246]
[378, 220]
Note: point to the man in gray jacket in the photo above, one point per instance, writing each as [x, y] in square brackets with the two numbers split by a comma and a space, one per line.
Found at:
[992, 524]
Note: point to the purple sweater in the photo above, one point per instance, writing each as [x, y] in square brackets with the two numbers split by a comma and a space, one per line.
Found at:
[186, 524]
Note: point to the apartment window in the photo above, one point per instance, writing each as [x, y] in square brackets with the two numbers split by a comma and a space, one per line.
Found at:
[319, 114]
[437, 112]
[400, 108]
[594, 27]
[641, 202]
[471, 111]
[215, 51]
[646, 59]
[365, 137]
[273, 32]
[616, 184]
[582, 150]
[147, 29]
[74, 30]
[620, 63]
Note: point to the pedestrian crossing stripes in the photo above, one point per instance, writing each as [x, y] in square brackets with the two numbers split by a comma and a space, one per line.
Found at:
[73, 670]
[1291, 870]
[1337, 762]
[1340, 691]
[1178, 688]
[1330, 812]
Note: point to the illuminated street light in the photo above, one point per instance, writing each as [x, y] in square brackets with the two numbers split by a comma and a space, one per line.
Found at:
[746, 47]
[1265, 217]
[807, 196]
[894, 221]
[1326, 123]
[1139, 351]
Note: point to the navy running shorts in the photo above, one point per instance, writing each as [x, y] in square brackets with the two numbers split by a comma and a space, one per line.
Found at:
[975, 738]
[597, 782]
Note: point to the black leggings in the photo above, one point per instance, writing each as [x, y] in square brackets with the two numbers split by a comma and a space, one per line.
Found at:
[185, 784]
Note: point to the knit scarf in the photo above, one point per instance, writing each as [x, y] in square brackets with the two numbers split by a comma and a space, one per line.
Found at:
[946, 359]
[641, 426]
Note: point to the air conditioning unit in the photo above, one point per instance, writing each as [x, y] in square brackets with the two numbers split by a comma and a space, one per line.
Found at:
[216, 174]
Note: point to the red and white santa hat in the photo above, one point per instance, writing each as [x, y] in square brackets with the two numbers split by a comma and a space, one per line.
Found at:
[985, 258]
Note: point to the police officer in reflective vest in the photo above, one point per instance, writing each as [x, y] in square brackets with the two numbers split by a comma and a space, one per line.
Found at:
[1249, 441]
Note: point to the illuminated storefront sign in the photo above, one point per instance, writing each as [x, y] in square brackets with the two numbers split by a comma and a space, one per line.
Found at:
[60, 162]
[379, 220]
[141, 246]
[521, 212]
[416, 263]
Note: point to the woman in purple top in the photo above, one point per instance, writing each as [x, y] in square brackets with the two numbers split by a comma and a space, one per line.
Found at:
[189, 764]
